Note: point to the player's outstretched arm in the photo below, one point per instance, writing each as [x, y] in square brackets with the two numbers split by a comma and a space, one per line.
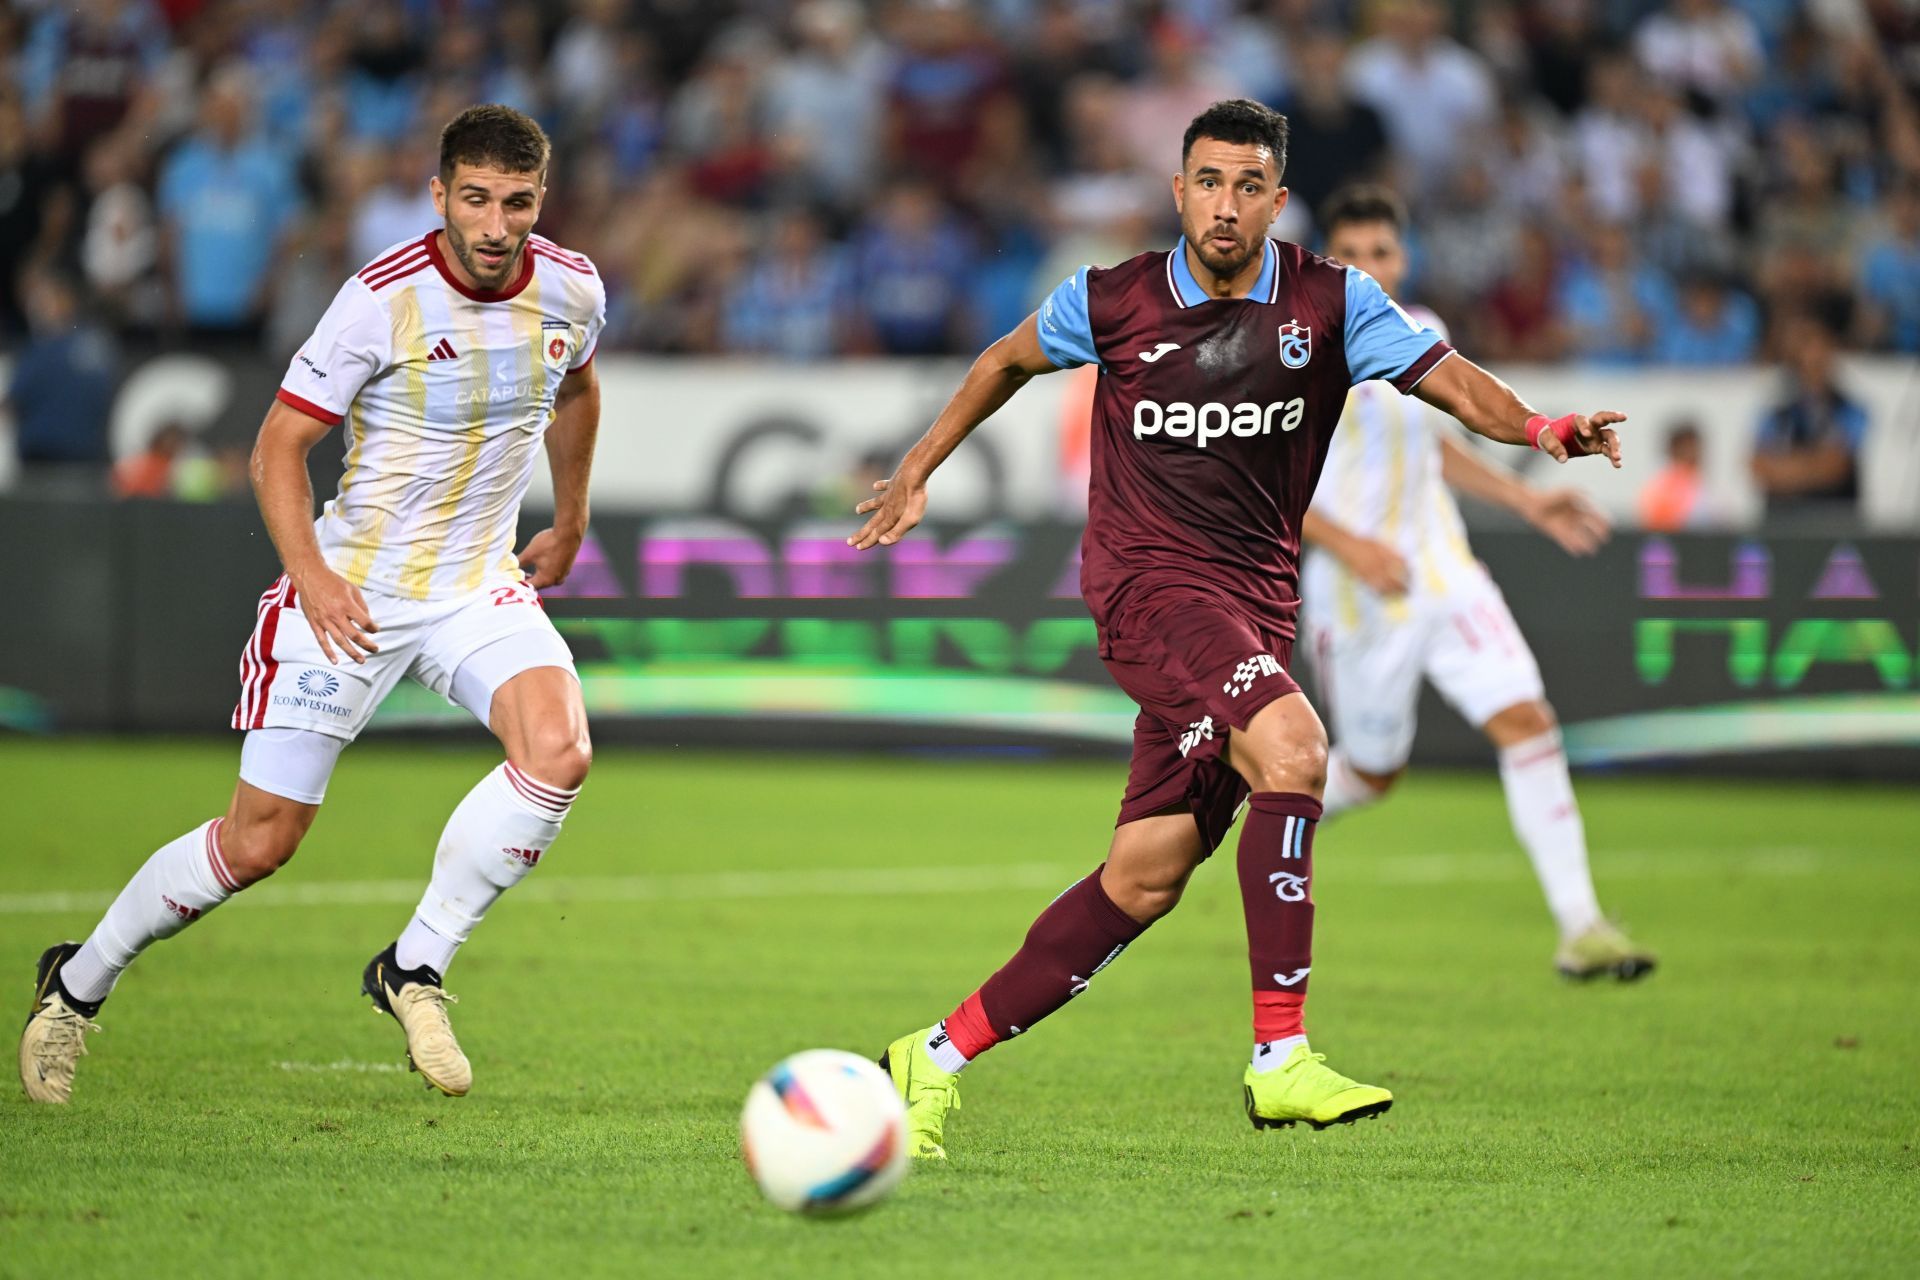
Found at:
[1000, 370]
[549, 554]
[1489, 407]
[332, 606]
[1567, 516]
[1375, 563]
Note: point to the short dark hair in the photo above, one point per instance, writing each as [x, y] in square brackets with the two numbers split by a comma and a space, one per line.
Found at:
[1240, 121]
[1363, 202]
[496, 136]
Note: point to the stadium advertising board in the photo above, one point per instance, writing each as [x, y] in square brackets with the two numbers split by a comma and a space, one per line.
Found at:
[1793, 648]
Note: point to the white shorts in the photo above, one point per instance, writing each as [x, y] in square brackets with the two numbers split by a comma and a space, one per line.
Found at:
[463, 649]
[1465, 641]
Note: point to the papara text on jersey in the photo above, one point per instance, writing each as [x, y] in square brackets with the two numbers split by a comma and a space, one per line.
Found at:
[1212, 420]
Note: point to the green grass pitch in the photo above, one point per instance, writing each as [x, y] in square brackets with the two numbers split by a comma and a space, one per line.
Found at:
[1752, 1109]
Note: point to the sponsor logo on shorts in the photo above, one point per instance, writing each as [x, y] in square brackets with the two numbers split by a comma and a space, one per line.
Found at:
[1288, 887]
[319, 684]
[1204, 422]
[1254, 668]
[1199, 731]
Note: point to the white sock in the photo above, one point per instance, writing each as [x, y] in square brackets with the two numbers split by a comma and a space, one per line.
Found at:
[1271, 1055]
[182, 882]
[1345, 789]
[493, 839]
[945, 1054]
[1547, 820]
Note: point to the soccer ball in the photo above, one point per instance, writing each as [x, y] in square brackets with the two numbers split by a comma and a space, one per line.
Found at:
[824, 1132]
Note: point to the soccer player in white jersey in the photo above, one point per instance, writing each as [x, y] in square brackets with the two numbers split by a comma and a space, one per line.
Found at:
[450, 359]
[1391, 592]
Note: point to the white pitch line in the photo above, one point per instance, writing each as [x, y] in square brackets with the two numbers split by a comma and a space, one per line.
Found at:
[1355, 865]
[343, 1064]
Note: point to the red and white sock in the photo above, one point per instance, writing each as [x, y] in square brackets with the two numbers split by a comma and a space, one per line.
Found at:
[494, 838]
[1276, 894]
[1547, 820]
[180, 883]
[1080, 933]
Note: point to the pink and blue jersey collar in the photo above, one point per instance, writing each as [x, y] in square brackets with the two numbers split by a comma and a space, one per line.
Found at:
[1187, 291]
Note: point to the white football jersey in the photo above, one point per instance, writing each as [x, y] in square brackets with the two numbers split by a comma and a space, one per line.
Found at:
[1382, 480]
[446, 392]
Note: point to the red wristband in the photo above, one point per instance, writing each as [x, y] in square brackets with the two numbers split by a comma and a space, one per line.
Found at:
[1539, 424]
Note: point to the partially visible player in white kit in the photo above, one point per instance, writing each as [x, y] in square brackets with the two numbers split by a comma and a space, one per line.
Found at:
[451, 359]
[1391, 593]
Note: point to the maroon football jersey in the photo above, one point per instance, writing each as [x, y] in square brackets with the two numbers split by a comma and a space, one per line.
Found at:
[1211, 417]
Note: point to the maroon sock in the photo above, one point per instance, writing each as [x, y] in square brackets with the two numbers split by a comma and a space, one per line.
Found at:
[1074, 938]
[1276, 868]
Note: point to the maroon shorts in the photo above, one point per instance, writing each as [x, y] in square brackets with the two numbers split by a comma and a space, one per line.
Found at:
[1199, 669]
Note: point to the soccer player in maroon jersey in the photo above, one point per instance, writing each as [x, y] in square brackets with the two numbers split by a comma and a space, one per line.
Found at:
[1224, 366]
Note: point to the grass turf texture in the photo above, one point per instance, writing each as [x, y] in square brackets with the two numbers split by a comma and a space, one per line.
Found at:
[1749, 1110]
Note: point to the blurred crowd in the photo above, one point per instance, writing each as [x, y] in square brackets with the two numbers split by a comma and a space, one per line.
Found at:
[1688, 182]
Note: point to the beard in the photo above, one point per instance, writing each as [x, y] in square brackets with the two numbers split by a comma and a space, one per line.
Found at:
[492, 277]
[1223, 265]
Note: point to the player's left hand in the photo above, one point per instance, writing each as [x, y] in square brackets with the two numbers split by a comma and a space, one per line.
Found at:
[1590, 435]
[895, 512]
[1571, 519]
[548, 558]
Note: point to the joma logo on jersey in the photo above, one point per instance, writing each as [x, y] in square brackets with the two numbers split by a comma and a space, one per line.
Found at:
[1213, 420]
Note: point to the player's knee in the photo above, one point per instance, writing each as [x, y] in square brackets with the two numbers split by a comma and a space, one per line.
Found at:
[560, 758]
[1522, 722]
[1298, 765]
[255, 850]
[1145, 895]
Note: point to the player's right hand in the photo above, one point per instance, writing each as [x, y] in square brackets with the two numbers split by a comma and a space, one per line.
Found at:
[895, 512]
[337, 613]
[1378, 565]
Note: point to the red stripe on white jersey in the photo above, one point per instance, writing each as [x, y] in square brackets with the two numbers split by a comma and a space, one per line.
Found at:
[399, 271]
[568, 263]
[542, 242]
[256, 660]
[374, 267]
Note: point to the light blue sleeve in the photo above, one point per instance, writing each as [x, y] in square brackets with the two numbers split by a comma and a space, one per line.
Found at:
[1382, 340]
[1066, 330]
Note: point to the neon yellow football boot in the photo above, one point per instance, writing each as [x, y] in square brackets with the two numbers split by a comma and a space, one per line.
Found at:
[928, 1092]
[1303, 1089]
[1600, 951]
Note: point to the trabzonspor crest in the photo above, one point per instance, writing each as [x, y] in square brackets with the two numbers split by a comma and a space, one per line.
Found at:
[1296, 344]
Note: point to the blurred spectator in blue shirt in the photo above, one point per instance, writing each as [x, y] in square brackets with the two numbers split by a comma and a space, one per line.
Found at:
[913, 262]
[825, 102]
[1712, 324]
[1806, 455]
[60, 390]
[1890, 275]
[793, 302]
[949, 88]
[227, 199]
[383, 75]
[1610, 301]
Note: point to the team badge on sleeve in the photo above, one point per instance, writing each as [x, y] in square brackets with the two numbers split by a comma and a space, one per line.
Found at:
[555, 332]
[1296, 344]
